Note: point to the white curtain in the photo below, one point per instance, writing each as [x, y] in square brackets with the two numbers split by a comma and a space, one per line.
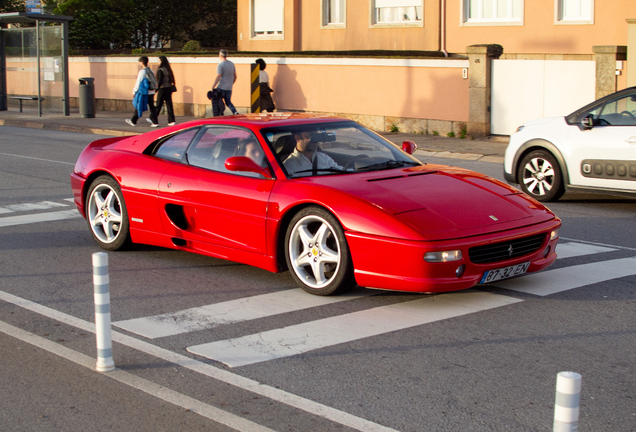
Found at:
[397, 3]
[268, 15]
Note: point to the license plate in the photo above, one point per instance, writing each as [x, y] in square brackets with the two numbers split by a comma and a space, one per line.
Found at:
[504, 273]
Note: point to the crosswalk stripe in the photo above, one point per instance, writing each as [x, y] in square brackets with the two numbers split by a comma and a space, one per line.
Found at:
[40, 217]
[573, 249]
[207, 370]
[43, 205]
[567, 278]
[229, 312]
[213, 315]
[322, 333]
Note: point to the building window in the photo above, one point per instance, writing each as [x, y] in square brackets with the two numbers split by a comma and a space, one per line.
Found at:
[267, 18]
[333, 12]
[397, 11]
[493, 11]
[575, 11]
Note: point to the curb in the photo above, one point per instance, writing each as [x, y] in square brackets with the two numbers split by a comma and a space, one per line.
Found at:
[464, 156]
[66, 128]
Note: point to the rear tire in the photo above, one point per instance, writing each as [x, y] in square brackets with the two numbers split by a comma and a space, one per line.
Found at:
[317, 253]
[540, 176]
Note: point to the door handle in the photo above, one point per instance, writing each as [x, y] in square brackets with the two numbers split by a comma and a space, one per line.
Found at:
[631, 140]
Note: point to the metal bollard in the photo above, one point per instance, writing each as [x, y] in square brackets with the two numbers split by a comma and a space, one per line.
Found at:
[101, 283]
[566, 405]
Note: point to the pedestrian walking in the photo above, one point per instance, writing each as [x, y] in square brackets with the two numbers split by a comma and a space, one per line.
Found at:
[267, 104]
[225, 78]
[144, 92]
[167, 86]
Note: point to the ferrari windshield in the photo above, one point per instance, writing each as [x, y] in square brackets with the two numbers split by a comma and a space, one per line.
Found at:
[333, 148]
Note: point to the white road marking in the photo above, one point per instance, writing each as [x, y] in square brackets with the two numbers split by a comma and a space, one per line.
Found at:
[40, 217]
[567, 278]
[248, 384]
[43, 205]
[573, 249]
[598, 244]
[326, 332]
[161, 392]
[40, 159]
[229, 312]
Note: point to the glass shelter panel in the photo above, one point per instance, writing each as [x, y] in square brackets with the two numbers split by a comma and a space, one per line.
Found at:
[22, 66]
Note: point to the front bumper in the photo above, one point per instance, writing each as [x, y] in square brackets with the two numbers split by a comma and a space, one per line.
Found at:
[399, 265]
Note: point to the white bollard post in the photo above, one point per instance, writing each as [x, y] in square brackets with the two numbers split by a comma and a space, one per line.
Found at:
[101, 284]
[566, 405]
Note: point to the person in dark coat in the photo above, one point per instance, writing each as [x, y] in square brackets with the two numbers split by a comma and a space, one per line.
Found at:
[267, 104]
[167, 86]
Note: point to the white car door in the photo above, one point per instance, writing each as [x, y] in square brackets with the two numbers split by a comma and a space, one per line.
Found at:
[604, 156]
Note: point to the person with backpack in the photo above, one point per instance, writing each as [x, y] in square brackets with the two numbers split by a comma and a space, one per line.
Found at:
[144, 92]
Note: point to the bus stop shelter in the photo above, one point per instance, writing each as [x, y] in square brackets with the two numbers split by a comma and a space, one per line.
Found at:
[50, 44]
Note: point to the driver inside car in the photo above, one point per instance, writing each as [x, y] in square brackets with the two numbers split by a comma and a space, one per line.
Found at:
[306, 157]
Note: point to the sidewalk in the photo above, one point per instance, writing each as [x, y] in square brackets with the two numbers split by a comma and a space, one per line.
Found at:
[113, 123]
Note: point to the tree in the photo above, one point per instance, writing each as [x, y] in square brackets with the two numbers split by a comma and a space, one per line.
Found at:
[103, 24]
[217, 26]
[12, 6]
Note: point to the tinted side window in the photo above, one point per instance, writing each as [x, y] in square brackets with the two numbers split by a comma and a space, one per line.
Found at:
[217, 144]
[175, 147]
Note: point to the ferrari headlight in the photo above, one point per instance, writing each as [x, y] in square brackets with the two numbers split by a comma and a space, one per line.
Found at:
[554, 234]
[446, 256]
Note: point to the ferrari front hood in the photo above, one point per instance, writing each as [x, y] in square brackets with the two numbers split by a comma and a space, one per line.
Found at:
[441, 202]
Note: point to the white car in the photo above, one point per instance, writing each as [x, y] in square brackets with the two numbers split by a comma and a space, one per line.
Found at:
[594, 149]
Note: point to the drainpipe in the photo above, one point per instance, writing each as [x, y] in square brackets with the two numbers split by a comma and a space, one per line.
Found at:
[443, 27]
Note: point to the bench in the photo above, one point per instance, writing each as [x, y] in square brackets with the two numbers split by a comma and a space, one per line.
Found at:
[23, 98]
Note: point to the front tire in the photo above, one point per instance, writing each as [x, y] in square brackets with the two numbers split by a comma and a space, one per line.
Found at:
[317, 253]
[106, 214]
[540, 176]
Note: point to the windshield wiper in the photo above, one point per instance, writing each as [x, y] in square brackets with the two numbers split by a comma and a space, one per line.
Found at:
[336, 170]
[387, 165]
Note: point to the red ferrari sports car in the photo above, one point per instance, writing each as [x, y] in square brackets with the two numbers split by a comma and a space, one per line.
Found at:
[326, 198]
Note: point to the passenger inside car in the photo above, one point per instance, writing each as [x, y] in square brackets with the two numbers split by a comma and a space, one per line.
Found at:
[250, 148]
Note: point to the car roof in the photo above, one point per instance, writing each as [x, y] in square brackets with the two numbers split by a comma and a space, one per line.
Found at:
[262, 120]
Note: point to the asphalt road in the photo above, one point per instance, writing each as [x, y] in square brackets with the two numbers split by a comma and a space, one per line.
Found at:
[479, 360]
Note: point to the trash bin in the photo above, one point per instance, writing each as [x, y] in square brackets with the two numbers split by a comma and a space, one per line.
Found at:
[87, 97]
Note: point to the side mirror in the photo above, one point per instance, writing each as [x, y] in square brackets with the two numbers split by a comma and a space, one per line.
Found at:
[242, 163]
[409, 147]
[588, 122]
